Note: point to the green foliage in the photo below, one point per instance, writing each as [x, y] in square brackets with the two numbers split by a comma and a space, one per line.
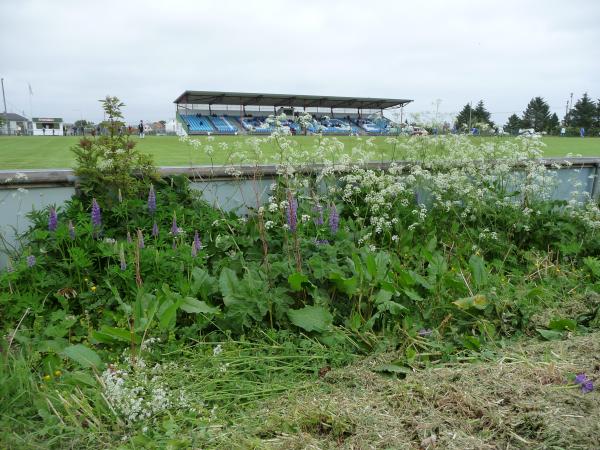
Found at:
[424, 271]
[583, 113]
[537, 115]
[108, 166]
[473, 117]
[311, 318]
[513, 125]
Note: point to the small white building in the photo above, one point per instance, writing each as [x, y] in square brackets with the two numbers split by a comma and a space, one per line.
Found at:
[48, 126]
[14, 124]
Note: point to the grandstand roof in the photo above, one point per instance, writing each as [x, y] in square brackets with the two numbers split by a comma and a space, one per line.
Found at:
[256, 99]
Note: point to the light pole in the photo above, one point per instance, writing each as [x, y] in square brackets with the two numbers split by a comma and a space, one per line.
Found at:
[5, 111]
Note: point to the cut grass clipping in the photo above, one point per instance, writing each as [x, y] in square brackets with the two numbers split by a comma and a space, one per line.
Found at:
[524, 398]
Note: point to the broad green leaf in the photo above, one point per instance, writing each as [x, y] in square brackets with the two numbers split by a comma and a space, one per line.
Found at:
[166, 314]
[477, 301]
[418, 279]
[471, 342]
[195, 306]
[383, 296]
[563, 324]
[296, 279]
[346, 285]
[550, 335]
[319, 267]
[116, 334]
[393, 369]
[83, 355]
[432, 244]
[80, 378]
[478, 270]
[202, 283]
[311, 318]
[413, 295]
[228, 282]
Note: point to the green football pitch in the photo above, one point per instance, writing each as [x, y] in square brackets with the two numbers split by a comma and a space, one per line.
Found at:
[45, 152]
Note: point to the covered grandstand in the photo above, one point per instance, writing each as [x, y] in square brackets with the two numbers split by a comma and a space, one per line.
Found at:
[211, 112]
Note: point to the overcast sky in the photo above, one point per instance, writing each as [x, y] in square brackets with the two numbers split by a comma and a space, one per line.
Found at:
[148, 52]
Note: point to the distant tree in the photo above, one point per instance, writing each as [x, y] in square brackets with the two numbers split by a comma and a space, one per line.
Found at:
[481, 115]
[553, 124]
[462, 120]
[513, 124]
[82, 123]
[597, 118]
[584, 112]
[163, 122]
[537, 114]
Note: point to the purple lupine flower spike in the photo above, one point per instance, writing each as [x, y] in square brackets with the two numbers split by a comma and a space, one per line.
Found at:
[31, 261]
[140, 240]
[122, 259]
[152, 200]
[319, 219]
[154, 230]
[174, 227]
[52, 220]
[292, 213]
[96, 214]
[197, 244]
[71, 230]
[585, 383]
[334, 219]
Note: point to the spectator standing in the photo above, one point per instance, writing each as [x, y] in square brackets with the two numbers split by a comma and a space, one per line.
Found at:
[141, 129]
[582, 132]
[562, 131]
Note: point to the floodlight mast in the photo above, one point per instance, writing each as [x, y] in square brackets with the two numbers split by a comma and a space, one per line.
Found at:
[5, 111]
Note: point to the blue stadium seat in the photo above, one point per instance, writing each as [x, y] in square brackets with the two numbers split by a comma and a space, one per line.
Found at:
[198, 124]
[223, 125]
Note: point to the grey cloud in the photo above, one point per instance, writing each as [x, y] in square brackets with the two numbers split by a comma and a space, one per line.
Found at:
[147, 52]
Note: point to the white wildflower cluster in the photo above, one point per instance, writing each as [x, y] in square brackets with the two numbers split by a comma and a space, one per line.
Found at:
[134, 399]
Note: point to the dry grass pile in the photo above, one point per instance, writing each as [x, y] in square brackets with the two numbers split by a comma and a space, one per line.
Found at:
[521, 400]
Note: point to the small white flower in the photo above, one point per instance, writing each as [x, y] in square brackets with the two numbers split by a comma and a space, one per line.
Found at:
[217, 350]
